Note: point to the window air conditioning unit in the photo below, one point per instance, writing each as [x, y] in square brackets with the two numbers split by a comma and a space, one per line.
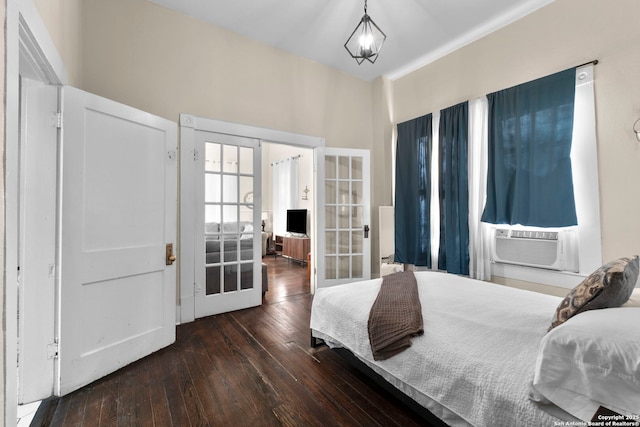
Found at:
[552, 250]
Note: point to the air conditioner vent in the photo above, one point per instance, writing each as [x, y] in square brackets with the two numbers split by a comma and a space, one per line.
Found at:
[534, 248]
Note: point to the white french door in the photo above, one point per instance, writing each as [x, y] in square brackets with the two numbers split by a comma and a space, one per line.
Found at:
[344, 214]
[119, 214]
[228, 251]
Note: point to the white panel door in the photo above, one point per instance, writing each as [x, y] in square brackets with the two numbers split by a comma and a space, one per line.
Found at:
[228, 241]
[119, 206]
[37, 237]
[344, 213]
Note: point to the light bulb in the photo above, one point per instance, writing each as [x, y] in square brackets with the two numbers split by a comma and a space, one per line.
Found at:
[365, 41]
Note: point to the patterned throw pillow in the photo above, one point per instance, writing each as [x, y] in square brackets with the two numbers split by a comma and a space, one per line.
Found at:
[609, 286]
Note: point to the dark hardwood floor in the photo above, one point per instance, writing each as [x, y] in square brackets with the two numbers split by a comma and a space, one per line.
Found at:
[251, 367]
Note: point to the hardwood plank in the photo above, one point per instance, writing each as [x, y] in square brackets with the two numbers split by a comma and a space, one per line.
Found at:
[160, 406]
[134, 403]
[108, 415]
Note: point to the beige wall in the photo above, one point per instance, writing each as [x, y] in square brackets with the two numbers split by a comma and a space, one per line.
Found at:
[166, 63]
[63, 19]
[563, 34]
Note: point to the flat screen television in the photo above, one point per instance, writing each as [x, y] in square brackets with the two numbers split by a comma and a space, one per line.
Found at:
[297, 221]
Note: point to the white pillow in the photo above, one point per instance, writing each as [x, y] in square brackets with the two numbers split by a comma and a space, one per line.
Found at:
[591, 360]
[634, 301]
[247, 229]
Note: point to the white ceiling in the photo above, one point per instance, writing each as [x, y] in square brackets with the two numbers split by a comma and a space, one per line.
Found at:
[418, 31]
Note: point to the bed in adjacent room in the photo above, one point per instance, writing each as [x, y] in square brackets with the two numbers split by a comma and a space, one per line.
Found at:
[480, 354]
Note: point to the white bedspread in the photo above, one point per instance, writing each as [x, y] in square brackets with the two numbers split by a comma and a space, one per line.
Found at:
[476, 357]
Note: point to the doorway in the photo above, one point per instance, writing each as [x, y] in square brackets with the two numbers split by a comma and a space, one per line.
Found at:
[288, 268]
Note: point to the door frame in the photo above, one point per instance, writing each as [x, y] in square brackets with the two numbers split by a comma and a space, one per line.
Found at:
[189, 124]
[29, 48]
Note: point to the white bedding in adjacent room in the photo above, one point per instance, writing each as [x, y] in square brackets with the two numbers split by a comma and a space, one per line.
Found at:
[476, 359]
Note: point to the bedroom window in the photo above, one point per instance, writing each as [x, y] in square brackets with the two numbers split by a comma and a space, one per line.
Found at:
[529, 179]
[584, 174]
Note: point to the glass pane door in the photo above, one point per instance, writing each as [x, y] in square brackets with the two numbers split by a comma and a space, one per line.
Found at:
[344, 244]
[230, 231]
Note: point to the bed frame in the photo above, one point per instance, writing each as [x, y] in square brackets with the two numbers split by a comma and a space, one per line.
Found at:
[430, 419]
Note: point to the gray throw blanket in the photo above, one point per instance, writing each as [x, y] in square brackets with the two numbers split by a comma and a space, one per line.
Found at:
[396, 315]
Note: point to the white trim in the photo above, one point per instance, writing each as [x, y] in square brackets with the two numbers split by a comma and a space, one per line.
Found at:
[247, 131]
[37, 43]
[188, 125]
[561, 279]
[475, 34]
[12, 134]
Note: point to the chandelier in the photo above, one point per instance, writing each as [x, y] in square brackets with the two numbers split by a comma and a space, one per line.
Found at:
[366, 40]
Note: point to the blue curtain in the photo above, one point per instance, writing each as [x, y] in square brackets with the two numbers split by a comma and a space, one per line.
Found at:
[529, 179]
[413, 192]
[453, 255]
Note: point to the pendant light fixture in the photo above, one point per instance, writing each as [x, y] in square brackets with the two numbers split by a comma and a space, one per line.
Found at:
[366, 40]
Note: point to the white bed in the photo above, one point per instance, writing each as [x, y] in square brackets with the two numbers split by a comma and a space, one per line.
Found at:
[476, 359]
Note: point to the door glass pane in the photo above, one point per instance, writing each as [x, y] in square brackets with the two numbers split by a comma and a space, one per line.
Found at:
[356, 192]
[246, 190]
[343, 167]
[330, 192]
[229, 188]
[230, 159]
[343, 267]
[343, 193]
[343, 243]
[356, 167]
[212, 279]
[212, 157]
[230, 278]
[356, 217]
[212, 189]
[330, 242]
[212, 218]
[230, 219]
[330, 217]
[343, 218]
[246, 276]
[356, 266]
[246, 247]
[356, 242]
[330, 267]
[330, 167]
[246, 160]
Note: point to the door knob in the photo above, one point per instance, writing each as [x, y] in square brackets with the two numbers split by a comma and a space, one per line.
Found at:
[170, 257]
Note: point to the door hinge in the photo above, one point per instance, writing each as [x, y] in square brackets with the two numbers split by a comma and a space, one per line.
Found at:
[52, 350]
[55, 119]
[196, 155]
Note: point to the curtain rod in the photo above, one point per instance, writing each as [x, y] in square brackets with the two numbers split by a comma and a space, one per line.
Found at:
[594, 62]
[286, 160]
